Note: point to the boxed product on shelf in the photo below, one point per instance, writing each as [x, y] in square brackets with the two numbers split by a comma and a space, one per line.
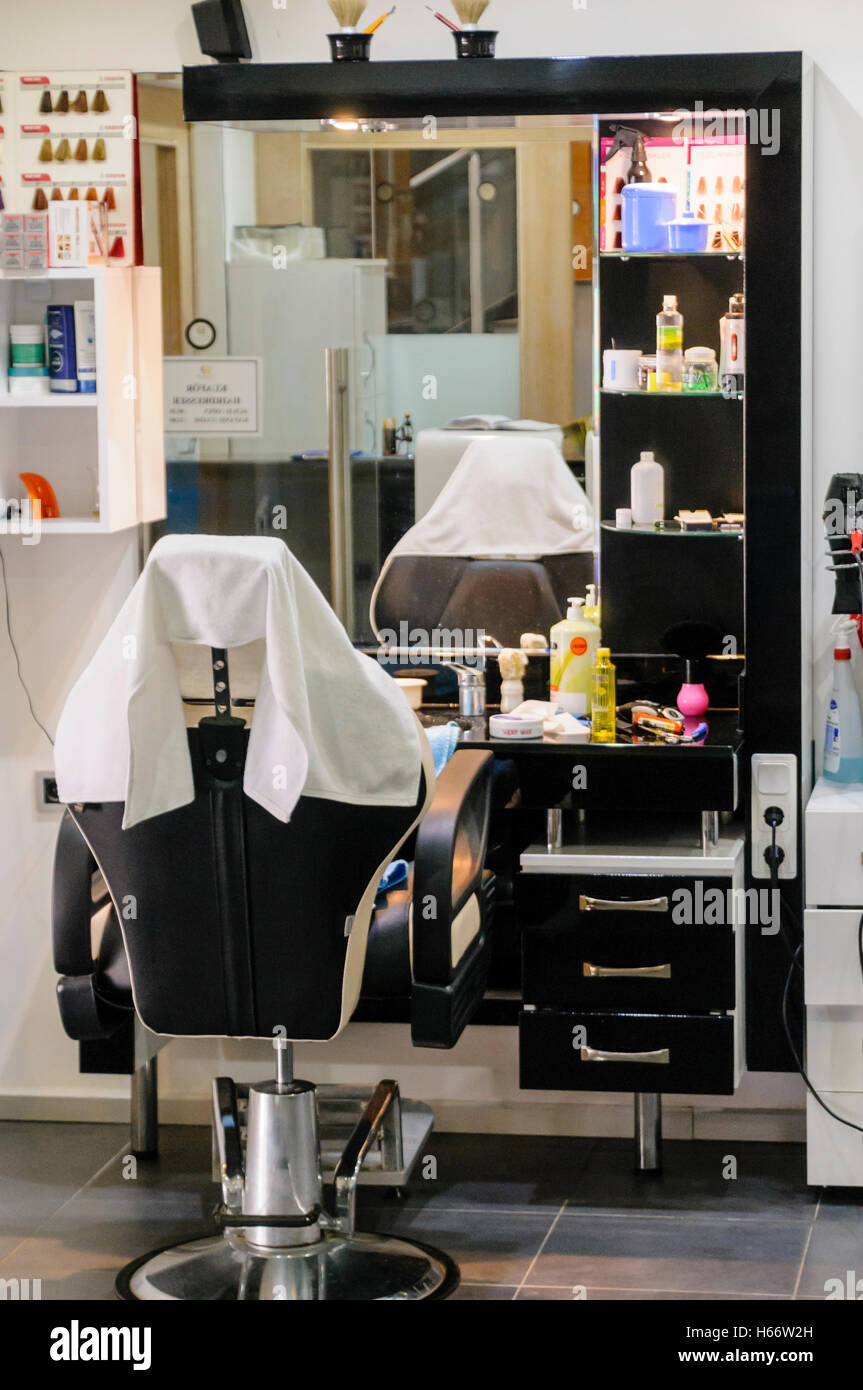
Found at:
[77, 234]
[71, 137]
[3, 141]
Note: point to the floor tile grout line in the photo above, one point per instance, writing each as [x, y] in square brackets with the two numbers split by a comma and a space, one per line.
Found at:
[637, 1288]
[123, 1149]
[539, 1252]
[598, 1213]
[806, 1246]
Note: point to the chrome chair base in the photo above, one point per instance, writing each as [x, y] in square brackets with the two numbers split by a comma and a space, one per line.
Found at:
[339, 1268]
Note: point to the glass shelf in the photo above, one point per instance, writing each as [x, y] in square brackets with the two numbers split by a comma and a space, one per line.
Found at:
[674, 395]
[672, 528]
[672, 255]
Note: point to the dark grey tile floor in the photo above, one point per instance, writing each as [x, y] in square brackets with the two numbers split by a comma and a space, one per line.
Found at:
[525, 1218]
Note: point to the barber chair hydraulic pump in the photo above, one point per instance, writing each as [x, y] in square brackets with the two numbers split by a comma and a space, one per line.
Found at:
[276, 1240]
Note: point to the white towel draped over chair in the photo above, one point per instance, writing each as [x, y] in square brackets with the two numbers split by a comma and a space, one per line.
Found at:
[122, 734]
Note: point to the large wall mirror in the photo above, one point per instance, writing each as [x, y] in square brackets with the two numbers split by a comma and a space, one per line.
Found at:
[451, 258]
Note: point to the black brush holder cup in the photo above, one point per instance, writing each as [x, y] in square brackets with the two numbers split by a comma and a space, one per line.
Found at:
[350, 48]
[475, 43]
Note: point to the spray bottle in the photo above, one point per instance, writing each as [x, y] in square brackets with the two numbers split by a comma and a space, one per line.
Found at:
[624, 135]
[843, 742]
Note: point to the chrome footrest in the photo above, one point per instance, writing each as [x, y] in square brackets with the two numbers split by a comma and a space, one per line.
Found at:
[396, 1151]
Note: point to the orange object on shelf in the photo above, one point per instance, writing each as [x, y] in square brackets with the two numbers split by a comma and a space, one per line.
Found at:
[40, 490]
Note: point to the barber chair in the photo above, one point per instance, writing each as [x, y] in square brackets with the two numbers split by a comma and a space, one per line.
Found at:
[501, 597]
[220, 920]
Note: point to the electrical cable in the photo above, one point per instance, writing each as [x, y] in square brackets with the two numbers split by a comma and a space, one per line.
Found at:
[21, 680]
[774, 856]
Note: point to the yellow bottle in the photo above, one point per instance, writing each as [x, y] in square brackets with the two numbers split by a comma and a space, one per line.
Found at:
[604, 703]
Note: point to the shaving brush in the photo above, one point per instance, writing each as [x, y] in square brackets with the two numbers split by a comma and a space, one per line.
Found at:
[348, 13]
[470, 12]
[513, 665]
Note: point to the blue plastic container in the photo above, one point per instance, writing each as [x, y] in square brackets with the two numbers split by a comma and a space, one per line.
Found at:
[647, 208]
[687, 233]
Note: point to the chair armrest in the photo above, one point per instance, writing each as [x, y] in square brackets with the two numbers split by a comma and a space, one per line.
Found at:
[91, 994]
[72, 904]
[448, 863]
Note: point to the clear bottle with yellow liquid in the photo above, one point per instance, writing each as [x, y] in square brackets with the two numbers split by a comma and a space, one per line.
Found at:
[574, 642]
[604, 699]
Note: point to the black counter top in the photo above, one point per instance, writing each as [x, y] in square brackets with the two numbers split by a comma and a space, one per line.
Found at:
[619, 776]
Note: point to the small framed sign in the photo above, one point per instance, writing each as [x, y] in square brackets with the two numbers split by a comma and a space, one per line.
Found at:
[212, 395]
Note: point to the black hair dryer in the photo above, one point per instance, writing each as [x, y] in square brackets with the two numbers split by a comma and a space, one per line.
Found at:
[843, 530]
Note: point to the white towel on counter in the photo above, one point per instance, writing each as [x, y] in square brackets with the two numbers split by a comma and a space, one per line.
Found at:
[328, 722]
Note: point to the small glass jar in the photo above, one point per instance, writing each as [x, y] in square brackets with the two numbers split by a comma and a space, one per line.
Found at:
[700, 370]
[647, 373]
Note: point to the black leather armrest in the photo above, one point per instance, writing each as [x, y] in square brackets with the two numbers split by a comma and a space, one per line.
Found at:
[72, 904]
[94, 996]
[450, 854]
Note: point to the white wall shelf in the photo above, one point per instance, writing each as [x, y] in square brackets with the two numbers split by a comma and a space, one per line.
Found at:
[108, 468]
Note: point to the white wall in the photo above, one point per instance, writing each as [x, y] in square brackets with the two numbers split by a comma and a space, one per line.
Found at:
[84, 582]
[63, 593]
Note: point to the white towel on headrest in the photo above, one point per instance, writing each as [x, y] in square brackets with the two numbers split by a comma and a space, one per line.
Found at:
[506, 496]
[328, 722]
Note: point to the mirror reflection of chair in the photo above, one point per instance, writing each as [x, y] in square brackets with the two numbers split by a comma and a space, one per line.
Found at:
[508, 539]
[248, 897]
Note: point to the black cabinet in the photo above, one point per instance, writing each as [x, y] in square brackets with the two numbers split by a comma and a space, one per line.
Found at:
[630, 981]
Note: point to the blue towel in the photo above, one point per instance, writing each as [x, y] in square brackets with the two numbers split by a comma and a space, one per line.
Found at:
[396, 873]
[443, 740]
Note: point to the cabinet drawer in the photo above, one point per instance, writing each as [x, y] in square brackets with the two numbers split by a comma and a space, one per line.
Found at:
[831, 958]
[631, 964]
[646, 942]
[682, 900]
[563, 1050]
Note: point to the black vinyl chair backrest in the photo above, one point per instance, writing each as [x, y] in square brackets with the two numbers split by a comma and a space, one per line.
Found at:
[502, 598]
[236, 924]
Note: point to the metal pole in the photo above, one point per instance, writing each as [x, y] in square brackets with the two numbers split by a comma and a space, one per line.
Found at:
[284, 1062]
[341, 509]
[554, 829]
[648, 1132]
[474, 177]
[709, 830]
[145, 1108]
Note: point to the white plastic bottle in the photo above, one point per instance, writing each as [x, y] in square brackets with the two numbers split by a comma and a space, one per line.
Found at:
[843, 743]
[647, 488]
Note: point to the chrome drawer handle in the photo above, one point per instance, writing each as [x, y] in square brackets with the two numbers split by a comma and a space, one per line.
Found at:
[586, 904]
[626, 972]
[661, 1057]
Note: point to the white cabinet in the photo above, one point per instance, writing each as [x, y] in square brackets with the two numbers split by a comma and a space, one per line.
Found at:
[834, 982]
[102, 454]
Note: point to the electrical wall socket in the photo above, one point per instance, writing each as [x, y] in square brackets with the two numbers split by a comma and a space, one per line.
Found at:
[46, 792]
[774, 783]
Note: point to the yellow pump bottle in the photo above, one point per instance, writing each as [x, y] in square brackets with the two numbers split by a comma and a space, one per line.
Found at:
[573, 651]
